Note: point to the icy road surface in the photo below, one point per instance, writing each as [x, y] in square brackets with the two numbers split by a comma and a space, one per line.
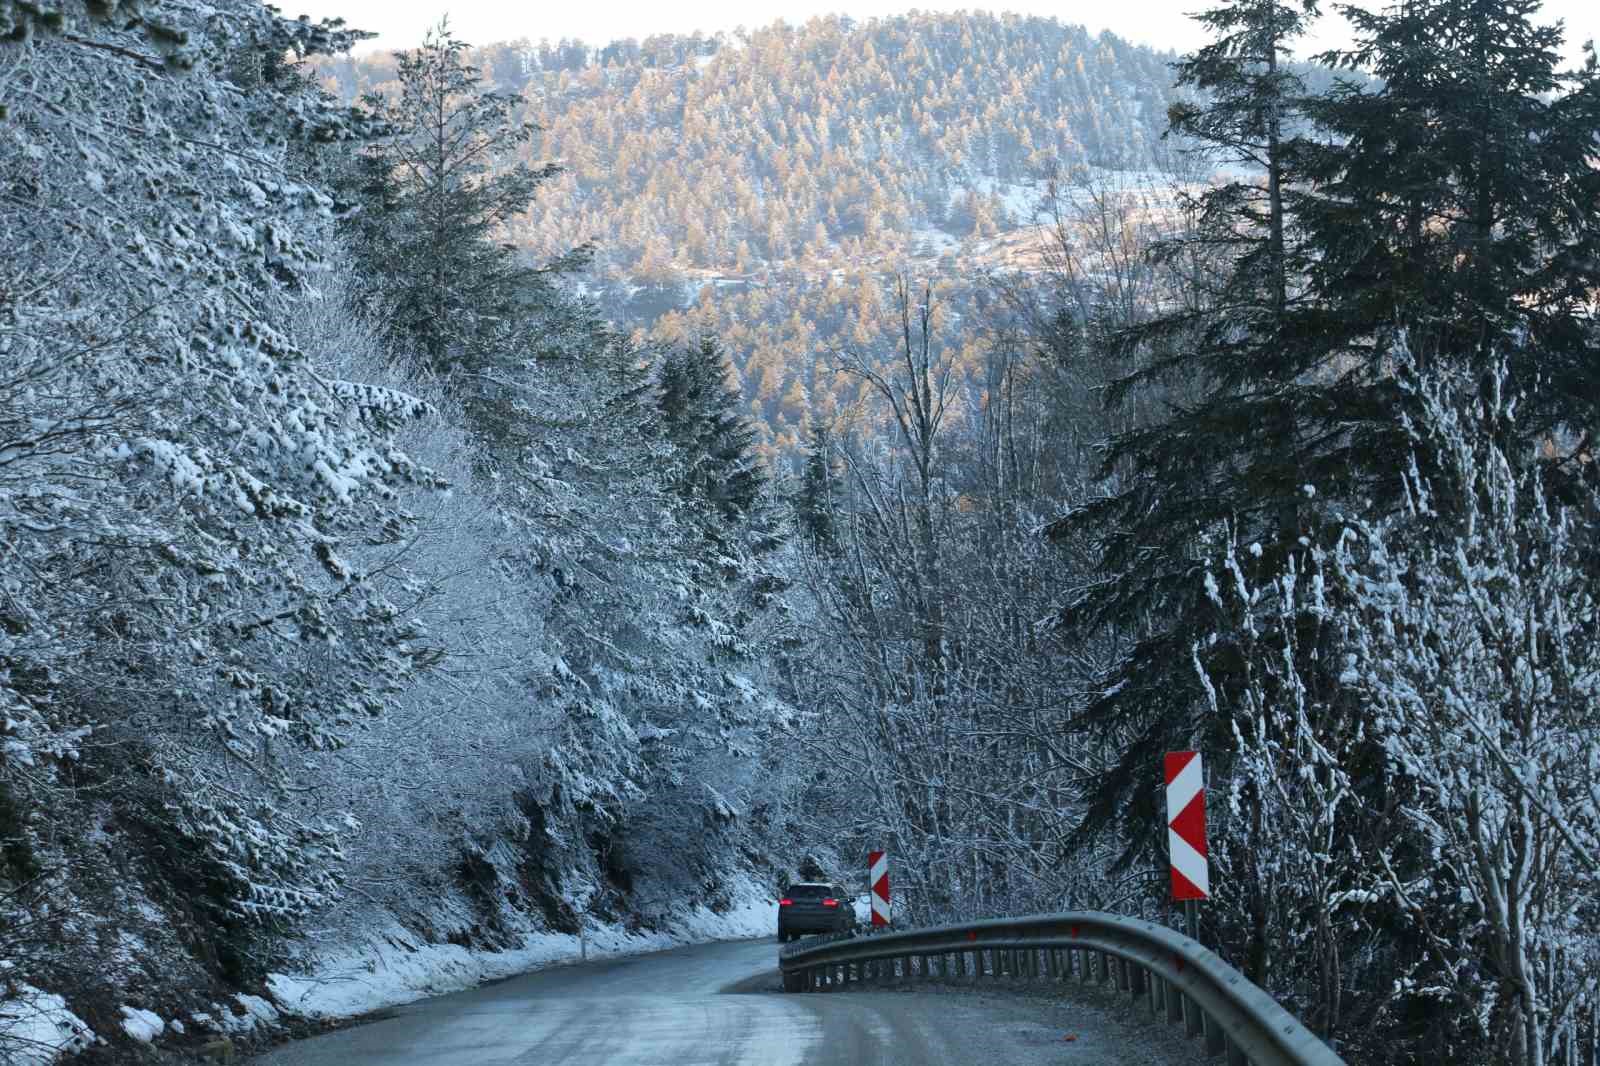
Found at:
[718, 1005]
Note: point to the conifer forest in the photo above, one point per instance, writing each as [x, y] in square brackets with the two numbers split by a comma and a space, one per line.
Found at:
[499, 490]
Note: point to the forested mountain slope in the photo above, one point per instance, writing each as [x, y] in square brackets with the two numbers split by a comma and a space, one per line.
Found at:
[709, 174]
[324, 624]
[368, 595]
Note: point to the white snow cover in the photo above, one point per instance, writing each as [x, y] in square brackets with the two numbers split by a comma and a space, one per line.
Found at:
[144, 1026]
[257, 1011]
[36, 1027]
[394, 968]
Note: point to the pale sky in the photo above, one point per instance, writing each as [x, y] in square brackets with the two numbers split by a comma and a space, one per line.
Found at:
[1161, 23]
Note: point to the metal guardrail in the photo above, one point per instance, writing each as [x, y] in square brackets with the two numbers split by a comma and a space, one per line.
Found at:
[1179, 978]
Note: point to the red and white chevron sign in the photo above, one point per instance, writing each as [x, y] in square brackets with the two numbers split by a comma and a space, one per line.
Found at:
[1186, 826]
[878, 878]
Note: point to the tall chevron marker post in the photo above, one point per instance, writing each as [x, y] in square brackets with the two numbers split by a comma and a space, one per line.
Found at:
[878, 882]
[1186, 833]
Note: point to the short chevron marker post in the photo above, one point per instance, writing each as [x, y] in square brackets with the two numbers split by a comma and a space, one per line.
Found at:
[1186, 826]
[878, 879]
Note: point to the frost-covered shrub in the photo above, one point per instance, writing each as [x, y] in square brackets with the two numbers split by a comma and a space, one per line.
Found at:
[1423, 783]
[179, 486]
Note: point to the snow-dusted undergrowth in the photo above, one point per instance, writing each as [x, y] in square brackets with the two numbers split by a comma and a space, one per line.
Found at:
[393, 966]
[388, 967]
[37, 1028]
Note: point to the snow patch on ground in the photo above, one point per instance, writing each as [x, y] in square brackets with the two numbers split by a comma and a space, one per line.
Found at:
[1020, 200]
[257, 1012]
[144, 1026]
[935, 241]
[394, 967]
[36, 1027]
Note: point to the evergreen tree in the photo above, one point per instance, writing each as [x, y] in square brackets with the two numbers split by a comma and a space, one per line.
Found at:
[435, 196]
[1456, 200]
[715, 463]
[1251, 93]
[1441, 201]
[814, 504]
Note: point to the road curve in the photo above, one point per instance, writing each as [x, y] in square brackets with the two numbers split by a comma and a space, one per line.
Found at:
[670, 1009]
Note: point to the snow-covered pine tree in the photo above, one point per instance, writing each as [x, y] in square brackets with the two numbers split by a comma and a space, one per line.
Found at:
[180, 481]
[815, 502]
[714, 465]
[434, 196]
[1299, 408]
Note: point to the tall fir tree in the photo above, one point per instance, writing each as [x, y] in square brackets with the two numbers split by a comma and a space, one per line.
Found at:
[715, 462]
[1444, 201]
[435, 195]
[814, 503]
[1457, 200]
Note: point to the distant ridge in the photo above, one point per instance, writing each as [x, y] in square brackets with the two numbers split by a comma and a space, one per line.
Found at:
[700, 165]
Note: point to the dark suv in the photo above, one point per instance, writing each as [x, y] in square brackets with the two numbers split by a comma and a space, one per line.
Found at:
[814, 907]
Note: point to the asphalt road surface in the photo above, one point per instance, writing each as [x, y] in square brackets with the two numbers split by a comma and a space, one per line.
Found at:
[719, 1005]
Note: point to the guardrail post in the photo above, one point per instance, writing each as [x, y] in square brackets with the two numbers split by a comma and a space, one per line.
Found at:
[1216, 1043]
[1236, 1057]
[1174, 998]
[1194, 1021]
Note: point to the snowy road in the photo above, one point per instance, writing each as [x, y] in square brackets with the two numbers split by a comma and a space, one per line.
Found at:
[670, 1009]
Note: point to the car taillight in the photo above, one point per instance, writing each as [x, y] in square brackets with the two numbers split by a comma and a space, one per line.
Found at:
[830, 903]
[786, 903]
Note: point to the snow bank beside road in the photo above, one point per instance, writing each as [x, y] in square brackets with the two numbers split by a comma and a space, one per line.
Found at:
[395, 967]
[36, 1028]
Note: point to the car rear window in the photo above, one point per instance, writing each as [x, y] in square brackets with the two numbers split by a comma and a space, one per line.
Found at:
[807, 892]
